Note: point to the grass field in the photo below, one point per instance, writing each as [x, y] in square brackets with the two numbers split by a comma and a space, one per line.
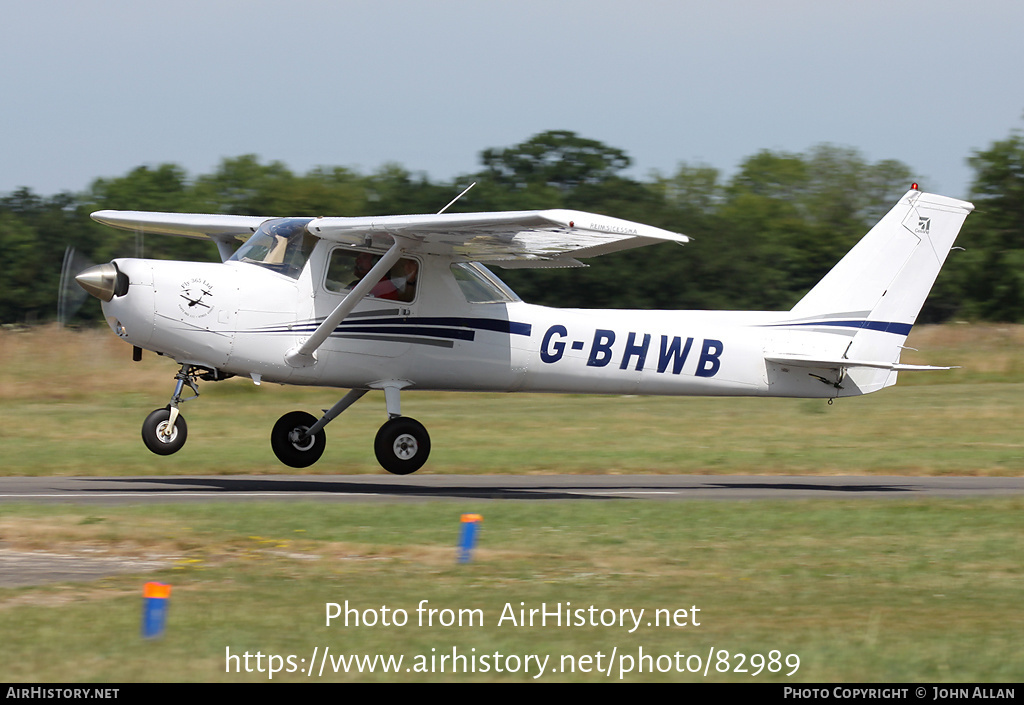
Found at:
[877, 591]
[857, 591]
[72, 403]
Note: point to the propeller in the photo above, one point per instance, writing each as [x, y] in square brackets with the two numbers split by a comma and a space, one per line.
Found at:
[71, 296]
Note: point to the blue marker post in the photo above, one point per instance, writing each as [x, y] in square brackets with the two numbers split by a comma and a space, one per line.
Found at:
[155, 597]
[467, 539]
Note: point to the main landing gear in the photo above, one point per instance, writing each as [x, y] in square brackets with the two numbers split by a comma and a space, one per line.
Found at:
[292, 442]
[401, 446]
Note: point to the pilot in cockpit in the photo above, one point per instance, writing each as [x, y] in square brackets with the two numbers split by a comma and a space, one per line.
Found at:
[398, 285]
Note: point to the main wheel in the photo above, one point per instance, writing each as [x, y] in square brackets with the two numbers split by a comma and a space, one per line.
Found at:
[154, 432]
[292, 449]
[402, 445]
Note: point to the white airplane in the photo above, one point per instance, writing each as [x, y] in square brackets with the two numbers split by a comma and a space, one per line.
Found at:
[405, 302]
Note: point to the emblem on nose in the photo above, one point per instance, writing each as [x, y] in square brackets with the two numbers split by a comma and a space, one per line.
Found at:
[196, 298]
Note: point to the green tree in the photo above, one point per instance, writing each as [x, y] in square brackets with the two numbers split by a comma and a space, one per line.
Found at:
[993, 272]
[557, 158]
[23, 298]
[693, 191]
[162, 188]
[789, 218]
[393, 190]
[34, 233]
[242, 186]
[760, 239]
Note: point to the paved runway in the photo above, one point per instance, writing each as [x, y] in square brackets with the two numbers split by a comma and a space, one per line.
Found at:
[368, 488]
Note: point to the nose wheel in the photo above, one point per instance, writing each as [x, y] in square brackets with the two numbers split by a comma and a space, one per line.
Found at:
[164, 435]
[402, 445]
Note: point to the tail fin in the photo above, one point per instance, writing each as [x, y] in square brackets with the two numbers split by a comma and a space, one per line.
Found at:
[872, 298]
[886, 277]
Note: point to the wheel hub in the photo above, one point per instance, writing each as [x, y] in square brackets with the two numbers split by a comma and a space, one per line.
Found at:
[166, 433]
[406, 446]
[301, 441]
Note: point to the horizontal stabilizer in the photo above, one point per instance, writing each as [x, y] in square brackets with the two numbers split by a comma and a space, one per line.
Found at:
[843, 363]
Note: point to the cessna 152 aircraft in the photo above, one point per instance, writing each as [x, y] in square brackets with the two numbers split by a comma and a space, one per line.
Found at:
[405, 302]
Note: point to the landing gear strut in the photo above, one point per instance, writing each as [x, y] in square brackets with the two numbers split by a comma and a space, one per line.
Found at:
[164, 431]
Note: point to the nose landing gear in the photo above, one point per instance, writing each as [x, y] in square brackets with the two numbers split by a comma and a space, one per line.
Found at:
[164, 431]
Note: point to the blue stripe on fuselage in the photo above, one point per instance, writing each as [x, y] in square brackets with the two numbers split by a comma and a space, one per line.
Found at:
[438, 327]
[882, 326]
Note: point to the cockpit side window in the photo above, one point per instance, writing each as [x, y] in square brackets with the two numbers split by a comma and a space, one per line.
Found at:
[348, 267]
[282, 245]
[479, 284]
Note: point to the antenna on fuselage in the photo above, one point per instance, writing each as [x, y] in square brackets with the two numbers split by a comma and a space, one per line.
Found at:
[456, 198]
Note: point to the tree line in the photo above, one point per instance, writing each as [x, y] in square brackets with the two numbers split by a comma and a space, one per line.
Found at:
[761, 238]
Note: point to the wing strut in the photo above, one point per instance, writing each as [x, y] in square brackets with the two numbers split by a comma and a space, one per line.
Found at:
[304, 355]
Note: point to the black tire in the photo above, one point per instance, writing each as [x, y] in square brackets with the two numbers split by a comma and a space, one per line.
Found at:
[297, 454]
[402, 445]
[152, 432]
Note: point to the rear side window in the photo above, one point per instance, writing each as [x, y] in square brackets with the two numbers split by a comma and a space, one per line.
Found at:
[479, 285]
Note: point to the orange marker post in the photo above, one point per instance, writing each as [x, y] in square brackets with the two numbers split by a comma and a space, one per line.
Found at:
[155, 598]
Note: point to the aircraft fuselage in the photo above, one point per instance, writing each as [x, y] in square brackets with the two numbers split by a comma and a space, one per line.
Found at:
[241, 319]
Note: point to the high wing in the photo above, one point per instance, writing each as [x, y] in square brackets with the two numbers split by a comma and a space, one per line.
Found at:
[547, 238]
[226, 230]
[197, 225]
[510, 239]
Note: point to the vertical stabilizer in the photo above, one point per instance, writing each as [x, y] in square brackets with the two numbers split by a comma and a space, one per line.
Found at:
[886, 277]
[867, 304]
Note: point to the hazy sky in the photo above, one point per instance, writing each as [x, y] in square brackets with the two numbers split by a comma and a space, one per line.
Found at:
[94, 89]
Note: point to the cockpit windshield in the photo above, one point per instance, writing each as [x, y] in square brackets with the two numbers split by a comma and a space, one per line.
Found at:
[282, 245]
